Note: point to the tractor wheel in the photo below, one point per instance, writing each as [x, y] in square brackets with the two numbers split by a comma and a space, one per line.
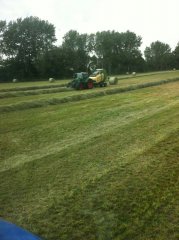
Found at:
[90, 84]
[81, 86]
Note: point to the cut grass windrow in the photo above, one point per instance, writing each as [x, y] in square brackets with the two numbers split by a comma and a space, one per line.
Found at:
[142, 75]
[27, 86]
[55, 101]
[34, 92]
[32, 87]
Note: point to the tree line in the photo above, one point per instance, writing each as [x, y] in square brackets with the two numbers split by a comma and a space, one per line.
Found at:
[28, 51]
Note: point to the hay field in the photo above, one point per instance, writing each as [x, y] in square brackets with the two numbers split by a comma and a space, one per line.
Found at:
[100, 168]
[57, 93]
[35, 84]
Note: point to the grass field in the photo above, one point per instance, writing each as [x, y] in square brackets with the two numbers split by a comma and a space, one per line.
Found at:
[29, 84]
[98, 169]
[59, 95]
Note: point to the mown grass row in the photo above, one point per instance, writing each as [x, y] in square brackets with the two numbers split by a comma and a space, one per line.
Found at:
[27, 86]
[55, 89]
[97, 169]
[142, 75]
[22, 96]
[52, 85]
[73, 98]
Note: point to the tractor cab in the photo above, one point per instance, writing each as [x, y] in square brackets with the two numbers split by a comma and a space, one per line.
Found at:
[80, 81]
[81, 75]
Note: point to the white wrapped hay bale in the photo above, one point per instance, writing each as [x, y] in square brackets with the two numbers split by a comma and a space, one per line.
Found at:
[51, 80]
[14, 80]
[134, 74]
[113, 80]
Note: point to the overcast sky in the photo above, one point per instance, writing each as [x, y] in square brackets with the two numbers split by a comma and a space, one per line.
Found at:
[151, 19]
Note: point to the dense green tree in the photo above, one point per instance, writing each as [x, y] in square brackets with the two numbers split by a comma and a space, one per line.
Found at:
[176, 56]
[2, 29]
[27, 51]
[158, 56]
[56, 63]
[103, 48]
[130, 53]
[2, 65]
[24, 41]
[118, 52]
[76, 47]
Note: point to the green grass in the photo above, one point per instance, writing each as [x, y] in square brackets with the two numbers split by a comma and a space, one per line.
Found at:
[121, 84]
[82, 96]
[104, 168]
[4, 87]
[20, 86]
[11, 94]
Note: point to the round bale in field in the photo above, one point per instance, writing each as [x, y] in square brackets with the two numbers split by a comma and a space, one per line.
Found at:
[14, 80]
[134, 74]
[51, 80]
[113, 80]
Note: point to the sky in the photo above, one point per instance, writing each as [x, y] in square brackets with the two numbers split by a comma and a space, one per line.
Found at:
[151, 19]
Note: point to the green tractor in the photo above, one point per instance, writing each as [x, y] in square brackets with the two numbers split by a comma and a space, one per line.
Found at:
[83, 80]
